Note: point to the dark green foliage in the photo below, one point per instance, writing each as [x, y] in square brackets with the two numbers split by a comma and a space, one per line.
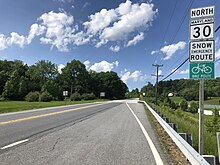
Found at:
[134, 93]
[173, 105]
[184, 105]
[185, 88]
[45, 97]
[149, 90]
[18, 79]
[190, 94]
[107, 82]
[193, 107]
[213, 126]
[88, 96]
[75, 97]
[32, 96]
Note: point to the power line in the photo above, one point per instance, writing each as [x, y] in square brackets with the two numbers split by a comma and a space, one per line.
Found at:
[176, 69]
[164, 36]
[181, 23]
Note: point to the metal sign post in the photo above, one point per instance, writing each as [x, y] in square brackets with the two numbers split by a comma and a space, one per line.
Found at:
[201, 56]
[201, 117]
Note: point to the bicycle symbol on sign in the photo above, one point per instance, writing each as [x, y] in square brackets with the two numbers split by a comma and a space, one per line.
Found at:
[201, 68]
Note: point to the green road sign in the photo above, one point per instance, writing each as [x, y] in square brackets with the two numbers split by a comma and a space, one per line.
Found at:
[202, 70]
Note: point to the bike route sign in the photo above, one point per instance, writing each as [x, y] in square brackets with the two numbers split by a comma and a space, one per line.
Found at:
[201, 70]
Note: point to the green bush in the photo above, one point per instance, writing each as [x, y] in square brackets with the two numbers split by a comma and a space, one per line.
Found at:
[45, 97]
[75, 97]
[184, 105]
[32, 96]
[173, 105]
[193, 107]
[88, 96]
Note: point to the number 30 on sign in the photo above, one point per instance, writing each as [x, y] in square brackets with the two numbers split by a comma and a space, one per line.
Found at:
[204, 31]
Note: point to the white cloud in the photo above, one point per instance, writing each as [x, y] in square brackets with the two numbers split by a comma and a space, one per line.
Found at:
[87, 64]
[104, 66]
[16, 39]
[137, 16]
[170, 50]
[121, 23]
[35, 30]
[159, 72]
[185, 71]
[58, 29]
[115, 48]
[134, 76]
[100, 20]
[124, 25]
[136, 39]
[154, 52]
[217, 54]
[3, 42]
[60, 67]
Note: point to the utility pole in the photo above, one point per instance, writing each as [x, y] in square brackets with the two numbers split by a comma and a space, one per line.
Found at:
[157, 67]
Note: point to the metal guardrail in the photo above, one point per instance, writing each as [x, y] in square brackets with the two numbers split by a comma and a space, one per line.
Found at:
[190, 153]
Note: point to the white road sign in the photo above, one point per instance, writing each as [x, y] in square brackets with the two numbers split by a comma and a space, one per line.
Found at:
[202, 51]
[102, 94]
[200, 32]
[202, 12]
[65, 93]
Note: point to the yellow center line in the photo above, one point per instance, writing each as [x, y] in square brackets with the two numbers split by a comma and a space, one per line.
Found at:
[47, 114]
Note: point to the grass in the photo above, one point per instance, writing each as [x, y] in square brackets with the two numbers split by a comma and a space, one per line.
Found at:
[189, 123]
[176, 99]
[13, 106]
[213, 101]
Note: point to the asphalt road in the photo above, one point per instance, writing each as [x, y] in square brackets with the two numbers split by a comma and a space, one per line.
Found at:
[97, 133]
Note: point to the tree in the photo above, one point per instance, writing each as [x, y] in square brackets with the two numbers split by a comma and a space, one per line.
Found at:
[40, 73]
[149, 90]
[193, 107]
[107, 82]
[75, 77]
[184, 105]
[16, 86]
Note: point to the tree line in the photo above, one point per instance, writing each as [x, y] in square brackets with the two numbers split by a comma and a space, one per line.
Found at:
[188, 89]
[19, 81]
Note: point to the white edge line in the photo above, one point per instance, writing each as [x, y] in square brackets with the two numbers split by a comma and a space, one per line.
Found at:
[150, 142]
[14, 144]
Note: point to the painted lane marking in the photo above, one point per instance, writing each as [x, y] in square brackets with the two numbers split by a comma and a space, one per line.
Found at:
[14, 144]
[47, 114]
[156, 155]
[48, 108]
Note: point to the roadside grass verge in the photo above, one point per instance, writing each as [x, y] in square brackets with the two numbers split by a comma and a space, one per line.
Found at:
[189, 123]
[213, 101]
[13, 106]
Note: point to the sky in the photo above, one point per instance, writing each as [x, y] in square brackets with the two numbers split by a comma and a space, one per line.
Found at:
[124, 36]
